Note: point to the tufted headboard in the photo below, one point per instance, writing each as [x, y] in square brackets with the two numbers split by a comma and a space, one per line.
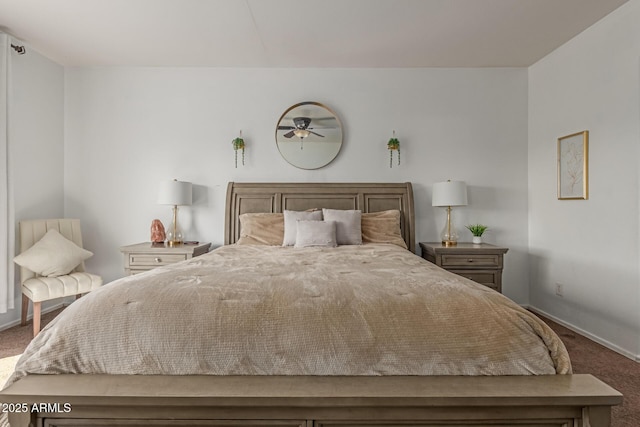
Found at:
[247, 197]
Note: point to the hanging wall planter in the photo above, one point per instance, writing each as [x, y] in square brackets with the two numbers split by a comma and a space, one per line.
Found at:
[238, 144]
[393, 145]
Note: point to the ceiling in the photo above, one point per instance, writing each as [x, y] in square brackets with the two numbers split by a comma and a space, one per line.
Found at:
[299, 33]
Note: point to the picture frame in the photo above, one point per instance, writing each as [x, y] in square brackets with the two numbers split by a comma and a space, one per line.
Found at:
[573, 166]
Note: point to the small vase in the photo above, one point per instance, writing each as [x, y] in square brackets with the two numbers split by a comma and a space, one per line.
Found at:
[477, 240]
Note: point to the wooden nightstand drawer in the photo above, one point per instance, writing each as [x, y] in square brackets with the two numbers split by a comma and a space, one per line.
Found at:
[487, 278]
[470, 260]
[155, 259]
[132, 271]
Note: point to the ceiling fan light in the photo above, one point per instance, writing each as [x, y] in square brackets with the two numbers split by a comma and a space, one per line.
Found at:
[301, 133]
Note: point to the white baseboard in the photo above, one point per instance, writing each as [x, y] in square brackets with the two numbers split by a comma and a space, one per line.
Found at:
[592, 337]
[30, 316]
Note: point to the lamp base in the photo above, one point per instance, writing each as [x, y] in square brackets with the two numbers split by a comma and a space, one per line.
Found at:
[174, 235]
[449, 234]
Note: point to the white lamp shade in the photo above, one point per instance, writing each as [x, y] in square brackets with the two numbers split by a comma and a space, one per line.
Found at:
[175, 193]
[449, 193]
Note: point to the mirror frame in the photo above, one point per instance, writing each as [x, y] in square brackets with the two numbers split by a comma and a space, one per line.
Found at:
[329, 110]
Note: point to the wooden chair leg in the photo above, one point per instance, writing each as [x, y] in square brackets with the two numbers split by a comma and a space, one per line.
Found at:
[37, 307]
[25, 310]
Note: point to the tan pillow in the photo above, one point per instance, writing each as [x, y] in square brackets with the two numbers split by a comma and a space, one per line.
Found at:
[261, 229]
[52, 256]
[382, 227]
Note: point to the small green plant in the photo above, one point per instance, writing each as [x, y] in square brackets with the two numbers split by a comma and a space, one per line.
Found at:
[238, 144]
[477, 229]
[393, 145]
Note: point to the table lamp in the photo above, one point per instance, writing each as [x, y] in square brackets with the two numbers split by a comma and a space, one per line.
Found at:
[447, 194]
[176, 193]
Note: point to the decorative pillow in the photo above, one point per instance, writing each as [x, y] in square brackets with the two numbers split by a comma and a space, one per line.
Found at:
[348, 225]
[291, 226]
[382, 227]
[52, 256]
[316, 233]
[261, 229]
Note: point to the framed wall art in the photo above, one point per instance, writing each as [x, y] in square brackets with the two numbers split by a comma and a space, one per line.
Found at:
[573, 166]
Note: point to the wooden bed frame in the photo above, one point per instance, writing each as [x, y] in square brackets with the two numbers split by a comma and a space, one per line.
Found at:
[312, 401]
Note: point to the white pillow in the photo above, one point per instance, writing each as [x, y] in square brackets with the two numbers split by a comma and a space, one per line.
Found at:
[52, 256]
[316, 233]
[348, 225]
[290, 223]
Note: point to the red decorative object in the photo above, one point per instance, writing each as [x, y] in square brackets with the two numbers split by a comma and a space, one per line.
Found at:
[157, 232]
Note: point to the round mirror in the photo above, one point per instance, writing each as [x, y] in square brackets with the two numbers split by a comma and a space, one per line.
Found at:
[309, 135]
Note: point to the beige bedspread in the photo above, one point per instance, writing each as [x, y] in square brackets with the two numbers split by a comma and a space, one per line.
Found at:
[256, 310]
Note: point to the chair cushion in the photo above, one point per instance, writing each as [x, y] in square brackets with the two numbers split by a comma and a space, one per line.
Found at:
[46, 288]
[53, 255]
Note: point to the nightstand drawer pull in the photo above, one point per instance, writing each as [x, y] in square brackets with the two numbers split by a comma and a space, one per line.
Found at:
[158, 260]
[470, 260]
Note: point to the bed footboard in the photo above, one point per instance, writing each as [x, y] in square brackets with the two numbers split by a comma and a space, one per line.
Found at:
[313, 401]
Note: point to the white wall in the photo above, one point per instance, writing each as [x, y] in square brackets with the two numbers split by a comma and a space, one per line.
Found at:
[590, 83]
[37, 146]
[127, 129]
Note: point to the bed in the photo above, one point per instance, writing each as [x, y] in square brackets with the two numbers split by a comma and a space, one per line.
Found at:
[269, 336]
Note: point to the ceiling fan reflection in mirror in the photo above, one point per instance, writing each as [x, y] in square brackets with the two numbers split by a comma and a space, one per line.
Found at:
[315, 128]
[299, 129]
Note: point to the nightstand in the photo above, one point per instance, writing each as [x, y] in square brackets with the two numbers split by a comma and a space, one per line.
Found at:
[481, 263]
[146, 256]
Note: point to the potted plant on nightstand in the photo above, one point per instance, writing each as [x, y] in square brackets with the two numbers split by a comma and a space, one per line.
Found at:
[477, 230]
